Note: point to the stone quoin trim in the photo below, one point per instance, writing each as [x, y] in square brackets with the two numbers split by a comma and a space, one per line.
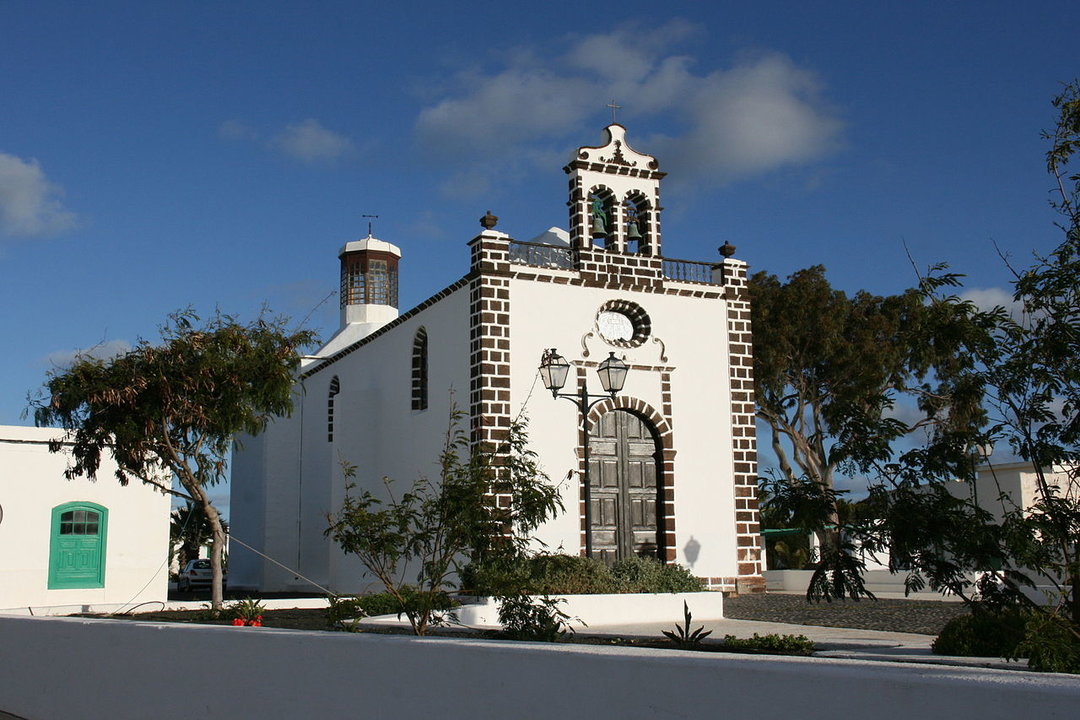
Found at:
[665, 481]
[489, 347]
[743, 431]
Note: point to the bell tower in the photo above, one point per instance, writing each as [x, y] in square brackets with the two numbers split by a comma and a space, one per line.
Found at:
[615, 197]
[369, 281]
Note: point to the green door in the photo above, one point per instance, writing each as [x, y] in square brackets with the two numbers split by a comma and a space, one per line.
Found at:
[77, 549]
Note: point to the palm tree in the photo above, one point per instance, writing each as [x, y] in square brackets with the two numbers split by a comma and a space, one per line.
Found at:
[189, 530]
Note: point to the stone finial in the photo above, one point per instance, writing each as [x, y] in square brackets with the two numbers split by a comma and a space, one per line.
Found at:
[488, 221]
[727, 249]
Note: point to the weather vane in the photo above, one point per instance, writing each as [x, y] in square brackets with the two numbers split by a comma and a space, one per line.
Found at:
[369, 223]
[613, 107]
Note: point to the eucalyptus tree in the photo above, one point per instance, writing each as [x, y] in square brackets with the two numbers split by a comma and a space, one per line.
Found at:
[173, 407]
[840, 379]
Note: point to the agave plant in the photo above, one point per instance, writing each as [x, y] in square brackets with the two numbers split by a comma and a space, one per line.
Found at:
[683, 637]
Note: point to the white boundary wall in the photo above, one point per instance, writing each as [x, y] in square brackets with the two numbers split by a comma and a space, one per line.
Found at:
[74, 667]
[600, 610]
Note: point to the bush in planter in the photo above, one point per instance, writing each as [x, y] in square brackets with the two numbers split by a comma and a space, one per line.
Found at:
[984, 633]
[647, 575]
[548, 574]
[542, 574]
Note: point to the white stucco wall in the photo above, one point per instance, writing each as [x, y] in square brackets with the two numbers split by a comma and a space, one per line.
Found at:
[375, 429]
[32, 483]
[694, 334]
[260, 672]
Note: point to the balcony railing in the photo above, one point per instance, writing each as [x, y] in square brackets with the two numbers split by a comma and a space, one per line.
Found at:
[540, 255]
[562, 257]
[690, 271]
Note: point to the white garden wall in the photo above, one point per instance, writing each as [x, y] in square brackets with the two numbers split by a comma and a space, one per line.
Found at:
[68, 668]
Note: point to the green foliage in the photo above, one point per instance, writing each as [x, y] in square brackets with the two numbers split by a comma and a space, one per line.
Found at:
[828, 370]
[647, 575]
[771, 643]
[525, 617]
[685, 638]
[345, 611]
[246, 609]
[433, 528]
[984, 633]
[553, 574]
[173, 408]
[540, 574]
[1051, 644]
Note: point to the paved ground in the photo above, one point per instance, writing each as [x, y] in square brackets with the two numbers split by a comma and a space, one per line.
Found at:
[926, 617]
[877, 630]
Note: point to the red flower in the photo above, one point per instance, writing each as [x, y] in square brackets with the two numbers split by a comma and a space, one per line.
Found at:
[238, 622]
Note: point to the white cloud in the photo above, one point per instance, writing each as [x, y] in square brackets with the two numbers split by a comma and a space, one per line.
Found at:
[29, 204]
[989, 298]
[310, 142]
[104, 350]
[762, 113]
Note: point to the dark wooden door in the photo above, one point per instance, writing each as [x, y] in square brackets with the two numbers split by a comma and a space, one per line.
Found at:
[623, 478]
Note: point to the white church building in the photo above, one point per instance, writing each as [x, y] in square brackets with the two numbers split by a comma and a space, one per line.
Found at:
[671, 458]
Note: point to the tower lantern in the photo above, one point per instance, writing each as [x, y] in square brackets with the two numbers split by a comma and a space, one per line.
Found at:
[369, 281]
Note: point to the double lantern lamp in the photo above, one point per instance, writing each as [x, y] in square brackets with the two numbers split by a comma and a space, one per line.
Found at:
[554, 368]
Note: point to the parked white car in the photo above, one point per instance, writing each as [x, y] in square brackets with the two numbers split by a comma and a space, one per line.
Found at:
[197, 575]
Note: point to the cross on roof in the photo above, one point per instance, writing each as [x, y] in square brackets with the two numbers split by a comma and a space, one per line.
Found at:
[613, 107]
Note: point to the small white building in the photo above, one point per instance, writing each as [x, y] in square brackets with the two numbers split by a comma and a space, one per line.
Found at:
[672, 458]
[1002, 488]
[75, 543]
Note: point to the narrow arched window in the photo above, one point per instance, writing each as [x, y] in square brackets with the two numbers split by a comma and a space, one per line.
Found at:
[335, 388]
[420, 370]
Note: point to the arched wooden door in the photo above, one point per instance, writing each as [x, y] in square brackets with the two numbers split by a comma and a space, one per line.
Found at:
[624, 479]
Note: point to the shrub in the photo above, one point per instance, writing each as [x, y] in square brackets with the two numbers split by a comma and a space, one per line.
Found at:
[525, 618]
[647, 575]
[1051, 644]
[552, 574]
[345, 610]
[985, 633]
[772, 643]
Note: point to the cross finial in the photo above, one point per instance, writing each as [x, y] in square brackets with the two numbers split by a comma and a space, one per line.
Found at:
[613, 107]
[369, 223]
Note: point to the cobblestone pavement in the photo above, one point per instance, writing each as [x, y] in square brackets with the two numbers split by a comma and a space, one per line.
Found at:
[926, 617]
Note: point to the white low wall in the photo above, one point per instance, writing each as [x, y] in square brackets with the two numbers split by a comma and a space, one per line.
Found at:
[52, 668]
[600, 610]
[883, 584]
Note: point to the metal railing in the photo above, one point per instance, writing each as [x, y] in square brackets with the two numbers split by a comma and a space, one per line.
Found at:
[562, 258]
[691, 271]
[541, 255]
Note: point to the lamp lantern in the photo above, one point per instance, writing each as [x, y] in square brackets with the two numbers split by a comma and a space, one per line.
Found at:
[553, 370]
[612, 374]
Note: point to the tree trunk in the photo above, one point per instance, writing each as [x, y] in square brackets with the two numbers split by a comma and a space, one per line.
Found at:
[217, 546]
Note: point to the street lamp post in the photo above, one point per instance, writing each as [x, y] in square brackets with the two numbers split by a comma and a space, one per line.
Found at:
[612, 371]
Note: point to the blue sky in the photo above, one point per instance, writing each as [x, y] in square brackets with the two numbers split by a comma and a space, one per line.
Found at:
[159, 155]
